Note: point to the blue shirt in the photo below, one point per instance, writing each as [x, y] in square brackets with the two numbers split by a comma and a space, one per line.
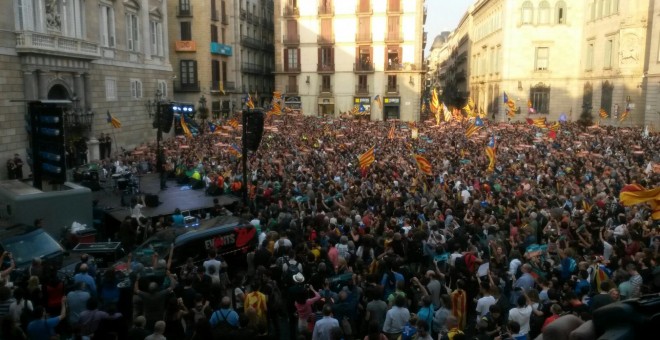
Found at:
[177, 220]
[224, 314]
[323, 328]
[42, 329]
[88, 280]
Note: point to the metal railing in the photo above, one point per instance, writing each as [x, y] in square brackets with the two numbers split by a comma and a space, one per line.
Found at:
[325, 39]
[391, 37]
[392, 88]
[252, 68]
[290, 11]
[325, 89]
[186, 87]
[362, 89]
[251, 42]
[364, 37]
[184, 10]
[325, 67]
[363, 66]
[288, 39]
[291, 68]
[326, 10]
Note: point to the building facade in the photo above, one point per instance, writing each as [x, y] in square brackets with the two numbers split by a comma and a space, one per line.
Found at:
[103, 56]
[555, 58]
[223, 50]
[333, 56]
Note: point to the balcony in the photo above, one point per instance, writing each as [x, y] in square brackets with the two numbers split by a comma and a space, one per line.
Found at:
[362, 89]
[186, 87]
[251, 42]
[224, 20]
[364, 10]
[392, 88]
[255, 20]
[325, 39]
[405, 67]
[363, 67]
[249, 18]
[252, 68]
[325, 68]
[221, 49]
[393, 37]
[243, 14]
[33, 42]
[291, 89]
[184, 11]
[290, 68]
[325, 90]
[291, 39]
[364, 38]
[325, 11]
[215, 15]
[290, 11]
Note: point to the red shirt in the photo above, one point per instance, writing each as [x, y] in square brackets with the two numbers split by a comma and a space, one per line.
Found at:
[549, 320]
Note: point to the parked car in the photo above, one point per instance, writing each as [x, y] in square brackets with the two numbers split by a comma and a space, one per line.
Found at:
[26, 243]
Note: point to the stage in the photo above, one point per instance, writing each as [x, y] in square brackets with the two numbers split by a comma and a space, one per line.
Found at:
[175, 196]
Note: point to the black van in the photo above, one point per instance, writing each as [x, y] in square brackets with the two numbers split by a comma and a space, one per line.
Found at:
[231, 236]
[26, 243]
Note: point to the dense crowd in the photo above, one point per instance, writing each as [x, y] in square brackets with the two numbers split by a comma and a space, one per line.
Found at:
[383, 252]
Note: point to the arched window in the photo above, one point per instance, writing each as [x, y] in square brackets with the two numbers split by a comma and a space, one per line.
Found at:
[544, 13]
[560, 12]
[527, 12]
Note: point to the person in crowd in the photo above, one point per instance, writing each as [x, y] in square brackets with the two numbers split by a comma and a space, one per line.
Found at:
[323, 327]
[42, 327]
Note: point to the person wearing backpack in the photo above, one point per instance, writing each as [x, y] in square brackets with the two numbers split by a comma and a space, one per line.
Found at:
[290, 268]
[224, 318]
[21, 309]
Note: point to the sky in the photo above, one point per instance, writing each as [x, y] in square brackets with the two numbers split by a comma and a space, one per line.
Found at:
[443, 15]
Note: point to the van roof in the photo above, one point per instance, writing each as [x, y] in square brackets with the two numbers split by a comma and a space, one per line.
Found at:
[210, 227]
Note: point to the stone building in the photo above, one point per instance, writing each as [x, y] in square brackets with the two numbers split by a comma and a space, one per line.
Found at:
[332, 56]
[557, 57]
[103, 56]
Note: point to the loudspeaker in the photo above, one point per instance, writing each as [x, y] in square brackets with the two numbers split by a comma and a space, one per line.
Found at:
[166, 117]
[254, 129]
[151, 200]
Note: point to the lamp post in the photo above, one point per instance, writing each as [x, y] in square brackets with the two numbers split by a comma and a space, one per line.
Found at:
[154, 109]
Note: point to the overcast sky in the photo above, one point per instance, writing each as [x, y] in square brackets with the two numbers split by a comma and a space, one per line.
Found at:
[443, 15]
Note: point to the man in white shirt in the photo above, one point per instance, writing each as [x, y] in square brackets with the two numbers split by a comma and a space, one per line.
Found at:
[213, 266]
[521, 313]
[465, 195]
[484, 303]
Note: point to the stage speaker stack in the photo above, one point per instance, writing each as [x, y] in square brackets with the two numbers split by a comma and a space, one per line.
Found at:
[166, 117]
[255, 129]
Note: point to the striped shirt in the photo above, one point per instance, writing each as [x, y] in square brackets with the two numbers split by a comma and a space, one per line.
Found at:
[636, 286]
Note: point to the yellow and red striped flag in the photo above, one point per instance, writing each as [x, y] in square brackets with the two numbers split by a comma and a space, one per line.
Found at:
[435, 103]
[624, 114]
[390, 134]
[633, 194]
[113, 121]
[538, 122]
[367, 158]
[184, 126]
[446, 112]
[276, 108]
[423, 164]
[554, 127]
[458, 116]
[603, 113]
[233, 123]
[490, 153]
[471, 130]
[355, 110]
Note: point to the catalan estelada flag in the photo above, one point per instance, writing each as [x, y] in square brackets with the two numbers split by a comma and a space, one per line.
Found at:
[446, 112]
[248, 102]
[633, 194]
[113, 121]
[233, 123]
[367, 158]
[490, 153]
[390, 134]
[602, 274]
[603, 113]
[378, 101]
[184, 126]
[471, 130]
[423, 164]
[235, 150]
[276, 103]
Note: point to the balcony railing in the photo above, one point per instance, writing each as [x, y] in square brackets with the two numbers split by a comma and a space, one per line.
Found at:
[325, 89]
[392, 88]
[291, 89]
[252, 68]
[363, 66]
[291, 68]
[325, 39]
[289, 39]
[251, 42]
[325, 68]
[186, 87]
[362, 89]
[364, 10]
[215, 86]
[48, 43]
[184, 11]
[290, 11]
[393, 37]
[405, 67]
[363, 37]
[326, 10]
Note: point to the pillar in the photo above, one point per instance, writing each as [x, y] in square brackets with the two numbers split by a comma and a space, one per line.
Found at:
[166, 39]
[87, 90]
[30, 85]
[146, 35]
[93, 152]
[42, 79]
[79, 89]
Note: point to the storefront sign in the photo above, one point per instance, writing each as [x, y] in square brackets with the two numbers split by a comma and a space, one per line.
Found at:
[185, 46]
[392, 101]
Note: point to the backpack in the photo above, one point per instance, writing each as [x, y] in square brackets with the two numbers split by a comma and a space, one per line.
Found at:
[223, 325]
[292, 269]
[274, 300]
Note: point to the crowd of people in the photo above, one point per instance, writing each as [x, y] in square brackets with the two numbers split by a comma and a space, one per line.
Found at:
[385, 251]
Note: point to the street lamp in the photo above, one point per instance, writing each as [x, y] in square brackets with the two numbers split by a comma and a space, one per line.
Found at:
[152, 105]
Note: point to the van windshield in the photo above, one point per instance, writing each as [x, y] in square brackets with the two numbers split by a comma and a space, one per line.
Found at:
[158, 244]
[34, 244]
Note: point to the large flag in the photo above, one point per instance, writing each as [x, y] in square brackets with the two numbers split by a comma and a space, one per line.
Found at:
[471, 130]
[276, 103]
[490, 153]
[362, 109]
[446, 112]
[233, 123]
[390, 134]
[511, 106]
[248, 102]
[603, 113]
[365, 159]
[355, 110]
[423, 164]
[538, 122]
[377, 101]
[113, 121]
[184, 126]
[435, 102]
[602, 274]
[633, 194]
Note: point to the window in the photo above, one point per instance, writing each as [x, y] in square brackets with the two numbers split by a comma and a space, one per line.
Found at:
[326, 58]
[132, 32]
[540, 97]
[214, 33]
[26, 15]
[492, 60]
[156, 33]
[107, 26]
[542, 54]
[544, 13]
[136, 88]
[110, 89]
[362, 82]
[73, 18]
[609, 53]
[325, 83]
[224, 71]
[215, 73]
[162, 87]
[393, 27]
[606, 96]
[394, 5]
[188, 72]
[587, 96]
[186, 30]
[184, 6]
[392, 83]
[590, 57]
[527, 12]
[291, 57]
[560, 12]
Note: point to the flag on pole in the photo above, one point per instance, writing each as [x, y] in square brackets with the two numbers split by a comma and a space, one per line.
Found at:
[184, 126]
[377, 101]
[221, 87]
[276, 103]
[233, 123]
[538, 122]
[505, 98]
[248, 102]
[435, 103]
[423, 164]
[603, 113]
[113, 121]
[625, 113]
[490, 153]
[458, 116]
[633, 194]
[362, 108]
[354, 110]
[390, 135]
[446, 112]
[471, 130]
[478, 122]
[367, 158]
